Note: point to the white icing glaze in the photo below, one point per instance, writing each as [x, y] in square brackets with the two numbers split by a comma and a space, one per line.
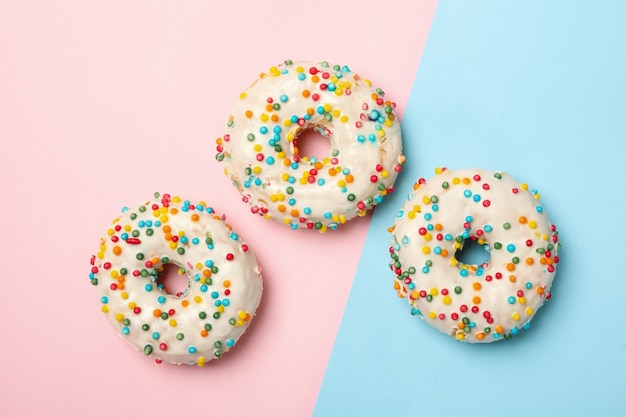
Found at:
[224, 279]
[259, 148]
[474, 303]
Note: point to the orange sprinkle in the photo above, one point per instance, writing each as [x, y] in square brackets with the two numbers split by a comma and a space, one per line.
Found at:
[499, 329]
[540, 290]
[226, 283]
[195, 217]
[274, 118]
[204, 333]
[282, 208]
[167, 228]
[476, 300]
[510, 266]
[512, 278]
[480, 336]
[206, 272]
[117, 250]
[306, 93]
[185, 303]
[530, 261]
[522, 220]
[157, 313]
[476, 286]
[444, 252]
[349, 178]
[295, 213]
[249, 114]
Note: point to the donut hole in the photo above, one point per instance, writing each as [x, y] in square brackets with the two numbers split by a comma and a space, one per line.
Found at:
[172, 280]
[311, 144]
[473, 253]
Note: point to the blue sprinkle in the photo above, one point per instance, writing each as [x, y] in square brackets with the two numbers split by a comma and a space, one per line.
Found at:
[263, 130]
[488, 228]
[148, 287]
[510, 247]
[435, 207]
[191, 349]
[511, 300]
[469, 219]
[374, 115]
[467, 193]
[476, 198]
[320, 110]
[539, 209]
[529, 285]
[209, 263]
[124, 209]
[301, 76]
[195, 240]
[141, 223]
[184, 240]
[226, 302]
[463, 273]
[430, 226]
[294, 165]
[258, 181]
[331, 87]
[214, 294]
[307, 210]
[291, 201]
[155, 335]
[360, 138]
[428, 216]
[448, 237]
[514, 330]
[425, 270]
[104, 299]
[231, 342]
[406, 240]
[371, 137]
[321, 181]
[284, 97]
[204, 288]
[328, 215]
[291, 180]
[415, 311]
[218, 303]
[124, 236]
[161, 299]
[234, 236]
[526, 326]
[277, 129]
[294, 119]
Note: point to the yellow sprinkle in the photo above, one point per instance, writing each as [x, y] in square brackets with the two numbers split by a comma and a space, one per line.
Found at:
[119, 317]
[242, 96]
[515, 316]
[220, 309]
[521, 300]
[256, 169]
[197, 299]
[434, 292]
[432, 315]
[258, 148]
[132, 305]
[173, 323]
[425, 250]
[524, 186]
[201, 361]
[124, 295]
[532, 224]
[447, 300]
[530, 311]
[105, 309]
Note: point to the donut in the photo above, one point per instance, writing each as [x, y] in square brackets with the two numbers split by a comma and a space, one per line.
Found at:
[260, 152]
[224, 289]
[476, 303]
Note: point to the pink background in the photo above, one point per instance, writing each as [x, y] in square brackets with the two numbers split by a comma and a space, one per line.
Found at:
[104, 103]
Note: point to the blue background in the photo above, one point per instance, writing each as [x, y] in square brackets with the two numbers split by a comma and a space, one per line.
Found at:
[536, 89]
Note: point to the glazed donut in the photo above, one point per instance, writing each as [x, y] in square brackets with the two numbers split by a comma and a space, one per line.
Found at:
[224, 280]
[474, 303]
[260, 147]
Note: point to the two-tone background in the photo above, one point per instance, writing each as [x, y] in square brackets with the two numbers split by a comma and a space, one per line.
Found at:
[104, 103]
